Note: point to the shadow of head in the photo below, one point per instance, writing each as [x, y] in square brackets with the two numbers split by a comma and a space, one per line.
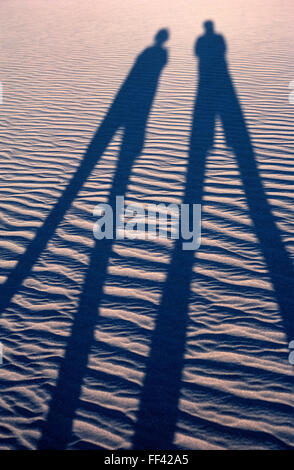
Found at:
[161, 37]
[208, 27]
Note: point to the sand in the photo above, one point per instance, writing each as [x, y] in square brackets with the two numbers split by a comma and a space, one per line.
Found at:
[132, 344]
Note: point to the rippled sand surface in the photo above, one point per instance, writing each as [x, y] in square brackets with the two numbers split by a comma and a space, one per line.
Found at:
[62, 64]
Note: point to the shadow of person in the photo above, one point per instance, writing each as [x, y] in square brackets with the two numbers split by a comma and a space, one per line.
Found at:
[158, 409]
[130, 111]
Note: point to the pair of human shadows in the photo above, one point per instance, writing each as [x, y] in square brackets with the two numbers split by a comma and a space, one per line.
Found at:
[157, 415]
[129, 111]
[216, 97]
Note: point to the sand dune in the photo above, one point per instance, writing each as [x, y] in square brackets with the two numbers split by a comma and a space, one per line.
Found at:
[97, 337]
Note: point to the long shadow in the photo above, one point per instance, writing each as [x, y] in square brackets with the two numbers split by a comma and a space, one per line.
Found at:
[130, 111]
[158, 411]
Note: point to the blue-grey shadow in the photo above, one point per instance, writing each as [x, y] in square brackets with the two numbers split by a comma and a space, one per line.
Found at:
[216, 97]
[129, 111]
